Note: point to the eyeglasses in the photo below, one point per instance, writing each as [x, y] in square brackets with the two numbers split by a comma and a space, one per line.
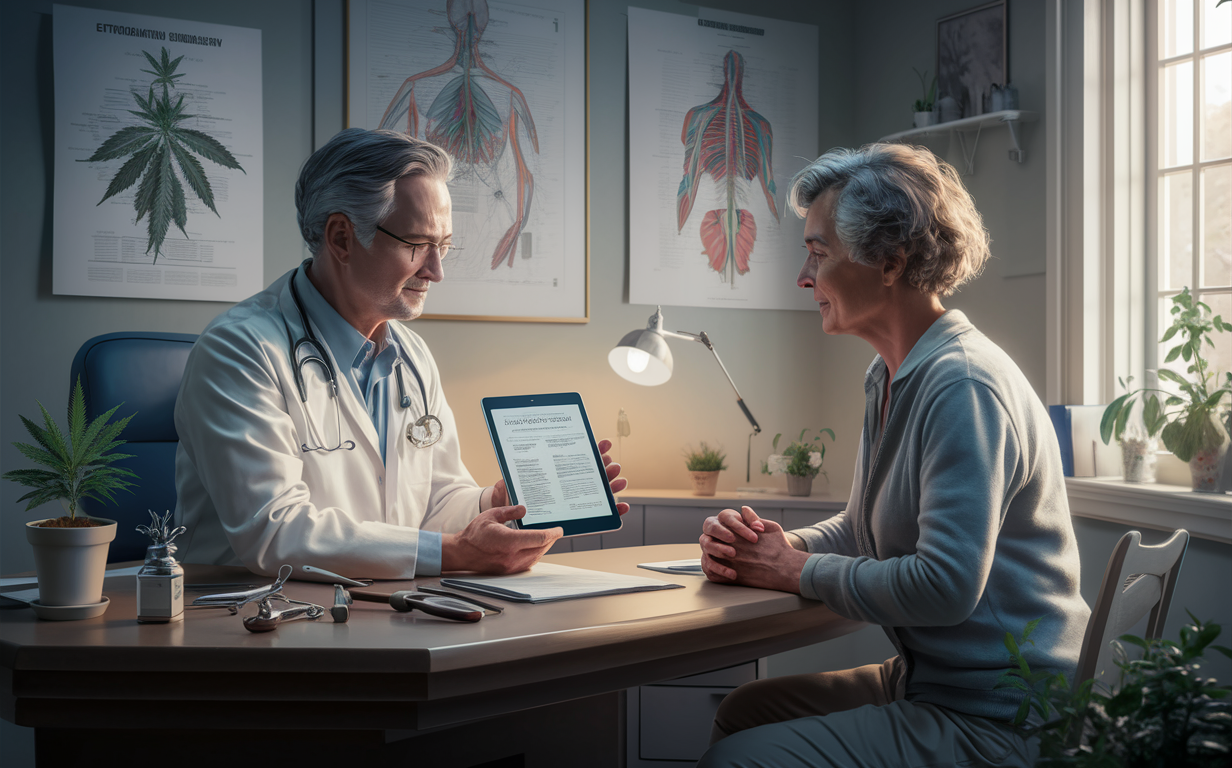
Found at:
[416, 248]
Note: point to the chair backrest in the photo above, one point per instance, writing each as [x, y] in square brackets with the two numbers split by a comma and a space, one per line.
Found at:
[142, 370]
[1138, 579]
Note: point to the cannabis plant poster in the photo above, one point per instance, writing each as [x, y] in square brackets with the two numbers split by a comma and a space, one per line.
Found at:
[722, 113]
[158, 178]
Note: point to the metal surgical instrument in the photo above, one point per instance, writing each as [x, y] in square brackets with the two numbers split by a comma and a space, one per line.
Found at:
[335, 578]
[233, 600]
[456, 608]
[268, 619]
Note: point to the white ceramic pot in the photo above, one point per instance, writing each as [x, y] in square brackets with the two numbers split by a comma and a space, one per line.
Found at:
[70, 561]
[925, 119]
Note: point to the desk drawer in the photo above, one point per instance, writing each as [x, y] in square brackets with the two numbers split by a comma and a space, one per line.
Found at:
[675, 720]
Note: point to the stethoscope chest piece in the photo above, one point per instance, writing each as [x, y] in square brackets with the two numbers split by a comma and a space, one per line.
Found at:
[426, 431]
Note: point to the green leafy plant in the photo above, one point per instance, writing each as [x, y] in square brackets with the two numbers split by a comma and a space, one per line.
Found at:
[152, 147]
[1163, 713]
[803, 458]
[929, 91]
[705, 459]
[1188, 427]
[78, 464]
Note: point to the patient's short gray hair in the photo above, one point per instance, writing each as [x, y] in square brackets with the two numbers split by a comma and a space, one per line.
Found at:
[354, 174]
[893, 196]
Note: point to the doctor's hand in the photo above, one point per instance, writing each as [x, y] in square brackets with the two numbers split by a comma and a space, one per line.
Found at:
[487, 546]
[741, 548]
[500, 494]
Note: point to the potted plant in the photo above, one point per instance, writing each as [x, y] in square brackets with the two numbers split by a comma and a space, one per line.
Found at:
[800, 461]
[923, 107]
[705, 463]
[1191, 428]
[70, 552]
[1165, 712]
[1137, 435]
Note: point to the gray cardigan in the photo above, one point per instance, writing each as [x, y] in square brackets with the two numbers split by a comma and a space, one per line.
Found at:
[958, 530]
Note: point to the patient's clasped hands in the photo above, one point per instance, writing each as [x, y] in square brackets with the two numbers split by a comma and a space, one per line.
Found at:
[741, 548]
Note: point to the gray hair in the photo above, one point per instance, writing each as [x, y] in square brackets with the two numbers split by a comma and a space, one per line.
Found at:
[893, 196]
[354, 174]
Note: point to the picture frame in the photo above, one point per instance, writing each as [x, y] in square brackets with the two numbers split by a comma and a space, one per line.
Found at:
[972, 55]
[503, 87]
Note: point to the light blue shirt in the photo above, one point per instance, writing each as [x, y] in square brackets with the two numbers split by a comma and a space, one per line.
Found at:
[368, 367]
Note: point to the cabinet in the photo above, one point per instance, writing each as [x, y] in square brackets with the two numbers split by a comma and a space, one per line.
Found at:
[668, 723]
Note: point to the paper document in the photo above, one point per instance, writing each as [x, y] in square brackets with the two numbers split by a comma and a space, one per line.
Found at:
[674, 566]
[547, 582]
[27, 595]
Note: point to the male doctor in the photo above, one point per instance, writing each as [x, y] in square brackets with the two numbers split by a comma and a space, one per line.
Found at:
[312, 429]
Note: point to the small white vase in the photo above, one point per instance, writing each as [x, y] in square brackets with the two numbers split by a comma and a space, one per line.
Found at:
[1138, 454]
[70, 562]
[925, 119]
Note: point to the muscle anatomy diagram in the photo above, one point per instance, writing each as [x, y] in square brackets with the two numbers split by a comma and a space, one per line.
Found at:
[471, 125]
[729, 142]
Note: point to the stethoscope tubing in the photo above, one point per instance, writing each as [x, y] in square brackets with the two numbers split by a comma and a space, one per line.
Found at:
[318, 355]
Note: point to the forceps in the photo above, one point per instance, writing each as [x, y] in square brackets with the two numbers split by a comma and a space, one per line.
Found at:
[233, 600]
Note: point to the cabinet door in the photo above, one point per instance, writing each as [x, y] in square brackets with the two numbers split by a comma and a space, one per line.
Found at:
[630, 533]
[675, 721]
[682, 525]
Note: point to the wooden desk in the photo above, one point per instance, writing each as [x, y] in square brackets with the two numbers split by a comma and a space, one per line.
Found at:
[385, 675]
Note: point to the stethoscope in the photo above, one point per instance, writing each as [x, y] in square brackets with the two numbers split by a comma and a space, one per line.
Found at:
[426, 430]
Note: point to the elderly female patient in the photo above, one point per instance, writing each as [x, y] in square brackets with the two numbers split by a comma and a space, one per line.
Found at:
[957, 529]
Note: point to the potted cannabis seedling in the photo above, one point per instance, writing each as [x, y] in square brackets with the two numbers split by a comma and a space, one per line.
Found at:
[1191, 428]
[70, 551]
[923, 106]
[705, 464]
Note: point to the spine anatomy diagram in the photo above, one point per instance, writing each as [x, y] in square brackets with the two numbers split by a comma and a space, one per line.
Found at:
[726, 140]
[465, 121]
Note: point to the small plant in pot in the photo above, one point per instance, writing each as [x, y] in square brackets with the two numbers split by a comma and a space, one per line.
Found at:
[70, 552]
[1191, 428]
[801, 461]
[705, 463]
[923, 106]
[1137, 434]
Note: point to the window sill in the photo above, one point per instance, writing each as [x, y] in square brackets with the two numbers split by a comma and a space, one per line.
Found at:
[1154, 505]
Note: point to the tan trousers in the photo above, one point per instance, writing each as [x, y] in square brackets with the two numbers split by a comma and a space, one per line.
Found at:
[856, 717]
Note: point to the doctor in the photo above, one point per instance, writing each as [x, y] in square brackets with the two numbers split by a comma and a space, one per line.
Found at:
[312, 429]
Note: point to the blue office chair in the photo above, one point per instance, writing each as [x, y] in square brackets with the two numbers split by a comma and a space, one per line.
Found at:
[142, 370]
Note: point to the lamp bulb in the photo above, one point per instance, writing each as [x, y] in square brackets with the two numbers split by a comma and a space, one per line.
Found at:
[637, 360]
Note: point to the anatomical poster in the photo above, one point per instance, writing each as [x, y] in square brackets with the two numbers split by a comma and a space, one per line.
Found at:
[722, 114]
[158, 176]
[502, 87]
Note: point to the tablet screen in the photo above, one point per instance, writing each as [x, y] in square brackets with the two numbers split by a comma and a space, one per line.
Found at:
[551, 463]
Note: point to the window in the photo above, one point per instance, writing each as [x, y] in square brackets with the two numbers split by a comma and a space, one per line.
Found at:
[1189, 161]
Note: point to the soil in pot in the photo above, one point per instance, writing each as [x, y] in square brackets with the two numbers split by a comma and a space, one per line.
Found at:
[70, 522]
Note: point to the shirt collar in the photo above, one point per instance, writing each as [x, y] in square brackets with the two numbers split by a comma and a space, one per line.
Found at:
[952, 323]
[343, 340]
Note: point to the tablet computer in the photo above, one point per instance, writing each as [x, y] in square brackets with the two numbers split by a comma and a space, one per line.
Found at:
[551, 463]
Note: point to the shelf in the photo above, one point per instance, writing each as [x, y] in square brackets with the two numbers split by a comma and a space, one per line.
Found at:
[1009, 117]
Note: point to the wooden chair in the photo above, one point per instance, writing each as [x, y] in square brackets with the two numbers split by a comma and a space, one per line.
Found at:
[1138, 579]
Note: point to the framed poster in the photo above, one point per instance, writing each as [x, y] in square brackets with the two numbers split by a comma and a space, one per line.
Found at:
[159, 157]
[502, 87]
[722, 115]
[971, 56]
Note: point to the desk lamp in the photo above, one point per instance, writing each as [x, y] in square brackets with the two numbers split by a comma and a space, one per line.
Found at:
[643, 357]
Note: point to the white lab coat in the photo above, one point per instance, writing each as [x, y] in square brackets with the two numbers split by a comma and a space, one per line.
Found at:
[248, 493]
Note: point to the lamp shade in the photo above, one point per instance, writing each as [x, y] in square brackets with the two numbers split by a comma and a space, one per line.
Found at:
[642, 357]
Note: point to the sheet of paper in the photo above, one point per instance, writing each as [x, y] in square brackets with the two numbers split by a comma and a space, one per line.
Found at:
[722, 114]
[101, 246]
[553, 467]
[693, 566]
[547, 582]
